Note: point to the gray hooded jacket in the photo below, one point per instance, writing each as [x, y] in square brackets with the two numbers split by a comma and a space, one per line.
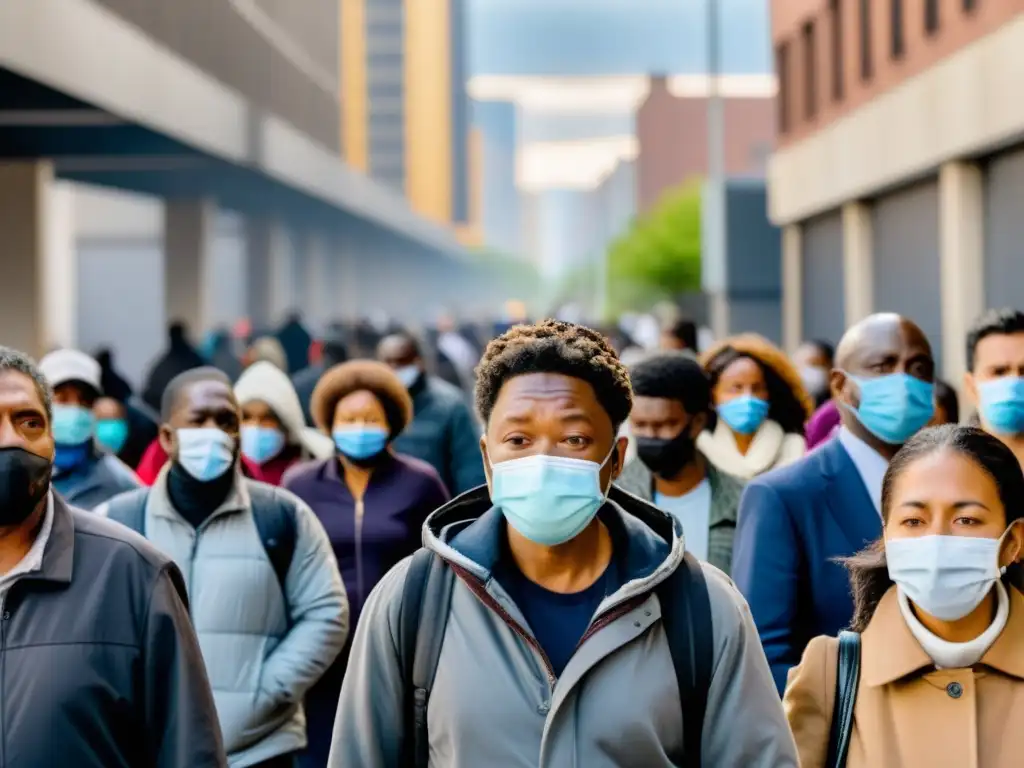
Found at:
[494, 703]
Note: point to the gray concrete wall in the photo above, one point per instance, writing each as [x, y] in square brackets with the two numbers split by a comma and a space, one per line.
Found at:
[822, 287]
[1004, 231]
[905, 245]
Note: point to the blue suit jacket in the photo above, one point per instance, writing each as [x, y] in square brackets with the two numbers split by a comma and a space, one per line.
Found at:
[792, 523]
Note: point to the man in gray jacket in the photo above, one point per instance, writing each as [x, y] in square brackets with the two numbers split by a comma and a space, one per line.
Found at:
[83, 474]
[100, 663]
[268, 604]
[556, 649]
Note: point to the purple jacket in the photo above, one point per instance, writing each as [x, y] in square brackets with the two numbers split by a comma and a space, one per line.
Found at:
[822, 425]
[401, 493]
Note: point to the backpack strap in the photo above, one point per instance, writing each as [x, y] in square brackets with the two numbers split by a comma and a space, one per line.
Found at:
[274, 515]
[686, 618]
[421, 625]
[129, 509]
[847, 682]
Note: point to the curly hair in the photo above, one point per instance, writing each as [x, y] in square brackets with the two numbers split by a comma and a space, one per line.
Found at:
[345, 378]
[791, 406]
[553, 346]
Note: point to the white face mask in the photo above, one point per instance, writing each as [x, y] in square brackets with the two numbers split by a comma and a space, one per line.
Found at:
[408, 374]
[206, 453]
[815, 379]
[945, 576]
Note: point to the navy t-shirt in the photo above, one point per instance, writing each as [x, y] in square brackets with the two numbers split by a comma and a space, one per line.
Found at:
[557, 620]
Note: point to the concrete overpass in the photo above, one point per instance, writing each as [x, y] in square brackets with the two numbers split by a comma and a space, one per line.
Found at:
[209, 105]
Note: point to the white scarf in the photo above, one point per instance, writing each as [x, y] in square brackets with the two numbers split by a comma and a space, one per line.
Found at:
[771, 447]
[947, 655]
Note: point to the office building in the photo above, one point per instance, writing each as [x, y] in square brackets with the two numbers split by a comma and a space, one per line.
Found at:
[405, 110]
[900, 167]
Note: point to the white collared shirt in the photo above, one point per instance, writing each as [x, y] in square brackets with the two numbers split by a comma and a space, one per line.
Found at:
[870, 464]
[33, 559]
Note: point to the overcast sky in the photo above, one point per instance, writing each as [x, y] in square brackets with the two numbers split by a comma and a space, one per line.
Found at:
[597, 37]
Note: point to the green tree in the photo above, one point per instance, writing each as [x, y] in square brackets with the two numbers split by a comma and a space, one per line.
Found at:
[658, 257]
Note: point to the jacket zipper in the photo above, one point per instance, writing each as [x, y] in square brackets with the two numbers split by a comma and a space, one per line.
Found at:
[4, 620]
[596, 626]
[478, 589]
[360, 511]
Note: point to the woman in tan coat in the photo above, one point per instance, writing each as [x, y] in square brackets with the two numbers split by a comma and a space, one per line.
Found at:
[940, 614]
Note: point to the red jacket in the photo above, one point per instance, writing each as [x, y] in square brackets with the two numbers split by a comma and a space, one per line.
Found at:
[154, 458]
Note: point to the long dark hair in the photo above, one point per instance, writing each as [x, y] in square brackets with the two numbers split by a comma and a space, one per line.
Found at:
[785, 407]
[869, 572]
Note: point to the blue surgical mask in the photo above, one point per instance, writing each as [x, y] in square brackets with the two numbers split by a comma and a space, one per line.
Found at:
[261, 444]
[112, 434]
[1002, 404]
[408, 374]
[206, 453]
[360, 441]
[894, 407]
[72, 425]
[744, 414]
[548, 499]
[945, 576]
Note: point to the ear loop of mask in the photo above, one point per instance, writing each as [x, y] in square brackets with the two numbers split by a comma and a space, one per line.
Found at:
[1002, 540]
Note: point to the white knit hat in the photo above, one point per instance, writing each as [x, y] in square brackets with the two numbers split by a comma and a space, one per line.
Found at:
[64, 365]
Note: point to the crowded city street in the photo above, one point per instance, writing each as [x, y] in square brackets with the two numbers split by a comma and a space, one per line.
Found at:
[511, 384]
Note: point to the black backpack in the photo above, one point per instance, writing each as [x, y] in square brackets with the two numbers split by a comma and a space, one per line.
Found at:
[685, 615]
[273, 514]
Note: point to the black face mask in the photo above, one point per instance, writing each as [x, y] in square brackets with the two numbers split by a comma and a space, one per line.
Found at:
[666, 457]
[24, 481]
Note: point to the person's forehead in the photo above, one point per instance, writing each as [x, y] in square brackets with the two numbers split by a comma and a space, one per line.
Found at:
[359, 399]
[18, 390]
[521, 393]
[648, 407]
[897, 337]
[396, 346]
[205, 393]
[1000, 348]
[741, 367]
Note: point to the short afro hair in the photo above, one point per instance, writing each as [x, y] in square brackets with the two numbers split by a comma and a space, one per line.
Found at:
[673, 376]
[177, 386]
[19, 362]
[553, 346]
[355, 375]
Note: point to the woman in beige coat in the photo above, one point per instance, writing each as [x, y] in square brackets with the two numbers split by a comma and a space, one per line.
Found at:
[940, 614]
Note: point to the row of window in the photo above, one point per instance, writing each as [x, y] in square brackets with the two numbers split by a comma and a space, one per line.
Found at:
[808, 51]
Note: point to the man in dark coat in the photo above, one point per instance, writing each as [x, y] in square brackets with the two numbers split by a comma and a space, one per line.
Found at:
[180, 356]
[333, 351]
[101, 664]
[443, 432]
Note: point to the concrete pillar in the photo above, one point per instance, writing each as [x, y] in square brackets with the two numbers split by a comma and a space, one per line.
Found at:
[347, 272]
[858, 262]
[38, 308]
[60, 284]
[961, 258]
[792, 287]
[270, 272]
[188, 243]
[315, 288]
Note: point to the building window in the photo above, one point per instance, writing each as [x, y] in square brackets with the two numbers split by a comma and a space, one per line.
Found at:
[931, 16]
[782, 66]
[810, 69]
[866, 69]
[896, 23]
[836, 27]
